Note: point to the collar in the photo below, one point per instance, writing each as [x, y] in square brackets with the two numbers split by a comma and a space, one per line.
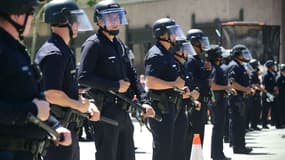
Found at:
[162, 49]
[11, 42]
[102, 36]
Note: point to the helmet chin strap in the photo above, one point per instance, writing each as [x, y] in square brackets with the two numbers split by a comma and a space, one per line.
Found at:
[111, 32]
[20, 28]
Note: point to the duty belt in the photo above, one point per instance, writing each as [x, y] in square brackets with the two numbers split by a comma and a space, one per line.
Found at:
[119, 102]
[36, 147]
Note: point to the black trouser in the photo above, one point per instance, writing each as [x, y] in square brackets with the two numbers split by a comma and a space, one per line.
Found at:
[114, 142]
[17, 155]
[163, 133]
[199, 119]
[219, 113]
[179, 142]
[71, 152]
[276, 111]
[265, 109]
[256, 108]
[238, 116]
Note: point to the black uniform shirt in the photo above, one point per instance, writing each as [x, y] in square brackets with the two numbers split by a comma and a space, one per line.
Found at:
[268, 81]
[219, 75]
[161, 64]
[18, 87]
[57, 63]
[200, 74]
[254, 78]
[238, 73]
[104, 63]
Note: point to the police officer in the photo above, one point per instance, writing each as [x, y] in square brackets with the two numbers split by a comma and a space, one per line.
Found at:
[281, 97]
[256, 98]
[200, 70]
[162, 76]
[189, 102]
[240, 82]
[220, 87]
[226, 55]
[20, 96]
[268, 80]
[58, 65]
[105, 66]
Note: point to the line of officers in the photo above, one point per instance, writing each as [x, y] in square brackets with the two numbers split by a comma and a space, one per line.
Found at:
[184, 76]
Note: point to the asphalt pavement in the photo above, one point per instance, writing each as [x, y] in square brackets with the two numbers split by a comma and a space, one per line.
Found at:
[268, 144]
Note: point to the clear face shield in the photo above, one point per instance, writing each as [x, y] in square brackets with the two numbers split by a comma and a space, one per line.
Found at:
[205, 44]
[246, 54]
[114, 17]
[176, 33]
[80, 17]
[187, 50]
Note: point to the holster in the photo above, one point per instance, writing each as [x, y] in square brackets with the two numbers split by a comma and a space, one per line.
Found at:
[36, 147]
[66, 116]
[164, 99]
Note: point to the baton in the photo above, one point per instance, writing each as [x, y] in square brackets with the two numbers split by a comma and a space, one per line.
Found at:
[102, 118]
[139, 107]
[52, 132]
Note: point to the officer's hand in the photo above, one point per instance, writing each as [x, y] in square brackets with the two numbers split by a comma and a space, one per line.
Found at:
[43, 109]
[208, 65]
[197, 105]
[179, 83]
[83, 105]
[252, 92]
[248, 90]
[186, 93]
[195, 94]
[94, 112]
[124, 86]
[66, 140]
[149, 111]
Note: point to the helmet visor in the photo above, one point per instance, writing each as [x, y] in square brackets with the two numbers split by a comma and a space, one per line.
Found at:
[176, 33]
[205, 44]
[187, 49]
[81, 18]
[246, 54]
[114, 17]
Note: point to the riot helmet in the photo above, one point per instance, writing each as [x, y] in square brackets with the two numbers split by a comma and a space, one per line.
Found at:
[269, 63]
[185, 48]
[111, 14]
[254, 64]
[17, 7]
[240, 50]
[64, 13]
[282, 67]
[198, 39]
[169, 26]
[214, 54]
[173, 32]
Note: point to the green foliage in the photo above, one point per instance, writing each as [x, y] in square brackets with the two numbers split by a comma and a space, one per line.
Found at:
[91, 3]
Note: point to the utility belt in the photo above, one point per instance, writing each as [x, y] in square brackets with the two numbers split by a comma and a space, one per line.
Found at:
[163, 99]
[66, 116]
[102, 98]
[36, 147]
[220, 95]
[125, 106]
[242, 94]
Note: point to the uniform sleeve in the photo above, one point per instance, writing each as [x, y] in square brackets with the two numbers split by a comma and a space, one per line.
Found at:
[53, 67]
[16, 112]
[87, 75]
